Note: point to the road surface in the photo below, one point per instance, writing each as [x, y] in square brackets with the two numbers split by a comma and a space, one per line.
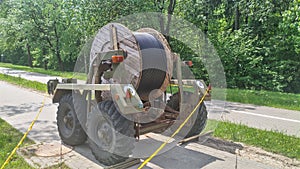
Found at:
[286, 121]
[261, 117]
[18, 107]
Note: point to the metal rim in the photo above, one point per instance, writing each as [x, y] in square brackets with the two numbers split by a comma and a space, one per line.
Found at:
[68, 122]
[104, 133]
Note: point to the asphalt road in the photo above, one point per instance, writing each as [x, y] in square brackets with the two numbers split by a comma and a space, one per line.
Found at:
[261, 117]
[18, 107]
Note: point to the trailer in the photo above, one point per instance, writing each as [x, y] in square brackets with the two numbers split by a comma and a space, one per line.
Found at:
[134, 86]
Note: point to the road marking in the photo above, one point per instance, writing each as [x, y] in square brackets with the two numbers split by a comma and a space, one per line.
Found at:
[267, 116]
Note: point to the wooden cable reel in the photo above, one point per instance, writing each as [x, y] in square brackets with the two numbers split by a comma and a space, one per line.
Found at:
[147, 66]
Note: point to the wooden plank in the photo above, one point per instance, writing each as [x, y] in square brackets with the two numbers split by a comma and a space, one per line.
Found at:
[196, 137]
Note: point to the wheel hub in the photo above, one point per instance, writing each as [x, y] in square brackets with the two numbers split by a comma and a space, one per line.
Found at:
[69, 120]
[105, 135]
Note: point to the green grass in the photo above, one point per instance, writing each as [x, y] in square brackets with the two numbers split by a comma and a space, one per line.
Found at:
[9, 138]
[265, 98]
[271, 141]
[24, 83]
[174, 89]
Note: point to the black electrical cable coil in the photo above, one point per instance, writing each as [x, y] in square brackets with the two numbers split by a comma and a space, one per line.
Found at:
[154, 64]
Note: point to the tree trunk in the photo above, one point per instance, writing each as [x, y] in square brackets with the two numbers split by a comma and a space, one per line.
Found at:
[247, 13]
[45, 59]
[237, 18]
[160, 6]
[29, 58]
[206, 14]
[171, 8]
[60, 63]
[165, 30]
[161, 24]
[57, 49]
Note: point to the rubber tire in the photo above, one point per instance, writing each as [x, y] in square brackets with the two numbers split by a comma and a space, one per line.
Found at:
[123, 131]
[200, 120]
[78, 135]
[80, 105]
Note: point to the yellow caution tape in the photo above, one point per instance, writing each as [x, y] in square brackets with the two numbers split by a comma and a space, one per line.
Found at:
[176, 132]
[24, 136]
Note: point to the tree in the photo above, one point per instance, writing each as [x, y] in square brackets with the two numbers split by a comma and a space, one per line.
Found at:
[257, 41]
[169, 9]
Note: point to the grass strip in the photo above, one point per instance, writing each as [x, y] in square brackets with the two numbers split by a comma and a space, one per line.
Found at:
[37, 70]
[24, 83]
[282, 100]
[265, 98]
[9, 138]
[50, 72]
[271, 141]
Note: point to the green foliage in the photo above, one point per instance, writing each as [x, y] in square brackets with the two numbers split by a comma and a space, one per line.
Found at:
[187, 54]
[257, 41]
[55, 30]
[268, 140]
